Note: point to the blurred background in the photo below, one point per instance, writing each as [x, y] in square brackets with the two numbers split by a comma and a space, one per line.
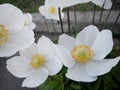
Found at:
[32, 5]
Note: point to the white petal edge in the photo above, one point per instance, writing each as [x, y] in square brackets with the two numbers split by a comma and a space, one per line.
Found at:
[100, 67]
[108, 4]
[29, 52]
[11, 17]
[45, 47]
[68, 3]
[98, 2]
[22, 39]
[28, 18]
[103, 45]
[44, 12]
[87, 36]
[37, 77]
[66, 41]
[32, 25]
[65, 56]
[79, 74]
[18, 67]
[8, 49]
[53, 65]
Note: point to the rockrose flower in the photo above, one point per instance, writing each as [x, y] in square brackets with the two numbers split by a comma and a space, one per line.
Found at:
[84, 56]
[35, 63]
[13, 35]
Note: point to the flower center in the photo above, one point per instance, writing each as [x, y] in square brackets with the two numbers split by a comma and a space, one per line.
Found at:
[25, 23]
[37, 60]
[52, 10]
[3, 34]
[82, 53]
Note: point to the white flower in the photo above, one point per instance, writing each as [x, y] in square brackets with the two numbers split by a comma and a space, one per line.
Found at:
[68, 3]
[50, 10]
[28, 21]
[13, 35]
[84, 56]
[35, 63]
[107, 3]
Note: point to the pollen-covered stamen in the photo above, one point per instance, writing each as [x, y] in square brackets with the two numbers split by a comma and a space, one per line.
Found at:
[25, 23]
[52, 10]
[3, 34]
[82, 53]
[37, 60]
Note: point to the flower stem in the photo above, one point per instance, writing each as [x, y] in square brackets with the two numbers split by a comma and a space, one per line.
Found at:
[76, 24]
[53, 26]
[56, 79]
[61, 23]
[93, 20]
[68, 18]
[101, 14]
[46, 24]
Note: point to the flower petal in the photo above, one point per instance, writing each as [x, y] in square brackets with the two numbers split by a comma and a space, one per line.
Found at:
[19, 67]
[11, 17]
[100, 67]
[28, 18]
[7, 50]
[53, 65]
[65, 56]
[45, 47]
[67, 41]
[22, 39]
[87, 36]
[37, 77]
[102, 45]
[98, 2]
[68, 3]
[78, 73]
[29, 52]
[44, 11]
[32, 25]
[108, 4]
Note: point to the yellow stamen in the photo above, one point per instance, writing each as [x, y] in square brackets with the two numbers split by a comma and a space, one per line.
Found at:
[52, 10]
[3, 34]
[82, 53]
[25, 24]
[37, 60]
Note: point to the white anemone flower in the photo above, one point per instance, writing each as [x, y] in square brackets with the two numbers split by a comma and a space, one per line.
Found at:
[35, 63]
[13, 35]
[84, 56]
[68, 3]
[107, 3]
[50, 10]
[28, 21]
